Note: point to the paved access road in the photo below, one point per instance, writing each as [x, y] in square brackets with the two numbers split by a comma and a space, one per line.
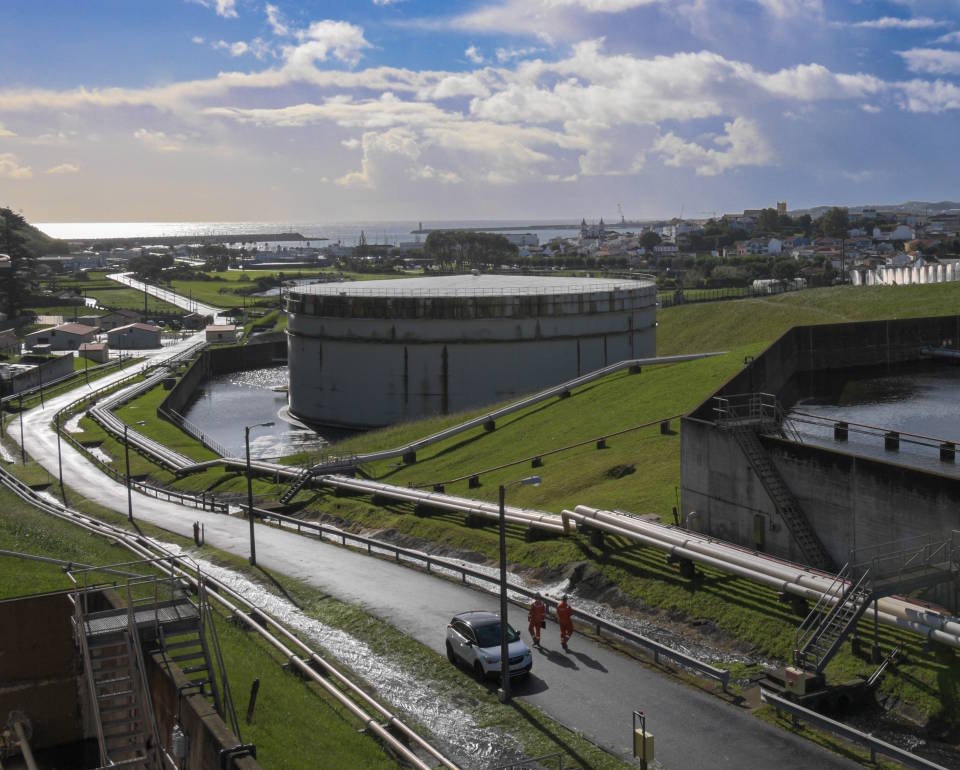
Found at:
[591, 688]
[191, 305]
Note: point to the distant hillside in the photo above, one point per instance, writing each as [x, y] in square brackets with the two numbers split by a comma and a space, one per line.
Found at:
[15, 229]
[920, 207]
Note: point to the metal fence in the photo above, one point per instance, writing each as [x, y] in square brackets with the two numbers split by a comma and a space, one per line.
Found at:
[356, 289]
[432, 563]
[691, 296]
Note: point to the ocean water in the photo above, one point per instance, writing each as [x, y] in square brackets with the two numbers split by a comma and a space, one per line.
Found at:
[347, 233]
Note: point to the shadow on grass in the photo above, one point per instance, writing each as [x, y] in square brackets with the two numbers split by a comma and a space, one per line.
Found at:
[552, 737]
[279, 586]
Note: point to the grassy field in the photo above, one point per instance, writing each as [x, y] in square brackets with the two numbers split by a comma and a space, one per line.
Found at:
[721, 325]
[141, 415]
[109, 294]
[222, 290]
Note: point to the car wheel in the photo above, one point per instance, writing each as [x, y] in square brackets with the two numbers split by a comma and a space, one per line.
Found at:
[450, 654]
[478, 672]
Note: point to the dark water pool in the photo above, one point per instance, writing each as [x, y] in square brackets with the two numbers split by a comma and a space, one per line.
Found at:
[921, 398]
[228, 402]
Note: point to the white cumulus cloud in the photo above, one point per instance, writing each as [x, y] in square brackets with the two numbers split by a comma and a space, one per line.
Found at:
[158, 140]
[741, 145]
[10, 167]
[934, 61]
[225, 8]
[276, 21]
[893, 22]
[324, 39]
[63, 168]
[474, 55]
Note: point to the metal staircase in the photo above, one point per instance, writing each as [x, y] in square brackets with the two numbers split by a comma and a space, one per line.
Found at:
[188, 649]
[296, 485]
[826, 627]
[747, 416]
[159, 613]
[119, 693]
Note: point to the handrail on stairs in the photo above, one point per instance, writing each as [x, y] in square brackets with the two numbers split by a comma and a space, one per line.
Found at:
[810, 623]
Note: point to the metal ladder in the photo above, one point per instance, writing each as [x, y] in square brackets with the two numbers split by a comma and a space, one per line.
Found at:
[298, 483]
[825, 628]
[119, 692]
[788, 507]
[188, 649]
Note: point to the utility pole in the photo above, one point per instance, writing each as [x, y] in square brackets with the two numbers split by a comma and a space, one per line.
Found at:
[63, 492]
[23, 449]
[246, 441]
[126, 451]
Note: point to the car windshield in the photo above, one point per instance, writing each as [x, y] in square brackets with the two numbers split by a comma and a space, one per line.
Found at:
[489, 635]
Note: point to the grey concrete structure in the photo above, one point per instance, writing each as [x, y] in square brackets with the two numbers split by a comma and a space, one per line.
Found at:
[136, 336]
[851, 501]
[372, 353]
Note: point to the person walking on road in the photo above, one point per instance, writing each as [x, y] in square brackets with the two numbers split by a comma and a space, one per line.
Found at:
[565, 616]
[537, 617]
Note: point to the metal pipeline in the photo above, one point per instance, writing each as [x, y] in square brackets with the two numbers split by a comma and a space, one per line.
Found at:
[775, 574]
[24, 745]
[547, 521]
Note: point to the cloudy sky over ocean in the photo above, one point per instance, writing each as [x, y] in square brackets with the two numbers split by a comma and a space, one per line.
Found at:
[114, 110]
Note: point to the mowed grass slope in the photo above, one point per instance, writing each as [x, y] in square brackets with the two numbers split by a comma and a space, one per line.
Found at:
[637, 471]
[721, 325]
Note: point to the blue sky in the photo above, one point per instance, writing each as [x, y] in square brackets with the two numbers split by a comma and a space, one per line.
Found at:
[116, 110]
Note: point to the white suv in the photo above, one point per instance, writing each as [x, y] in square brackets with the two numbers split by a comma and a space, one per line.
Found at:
[474, 638]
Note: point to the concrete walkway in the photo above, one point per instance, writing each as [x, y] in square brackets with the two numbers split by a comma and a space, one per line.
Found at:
[592, 688]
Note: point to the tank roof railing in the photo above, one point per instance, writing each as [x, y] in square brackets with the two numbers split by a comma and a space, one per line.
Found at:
[355, 292]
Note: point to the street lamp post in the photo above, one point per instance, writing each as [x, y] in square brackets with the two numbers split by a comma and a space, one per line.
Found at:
[246, 441]
[63, 492]
[504, 691]
[23, 448]
[126, 453]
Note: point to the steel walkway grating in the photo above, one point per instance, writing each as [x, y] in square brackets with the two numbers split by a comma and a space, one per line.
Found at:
[110, 622]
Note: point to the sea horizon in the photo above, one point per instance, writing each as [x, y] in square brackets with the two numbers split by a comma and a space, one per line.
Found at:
[375, 231]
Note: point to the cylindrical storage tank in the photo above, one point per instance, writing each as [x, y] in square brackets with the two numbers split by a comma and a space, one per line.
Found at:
[371, 353]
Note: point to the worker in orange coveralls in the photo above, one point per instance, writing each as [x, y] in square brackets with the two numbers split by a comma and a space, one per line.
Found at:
[565, 616]
[536, 616]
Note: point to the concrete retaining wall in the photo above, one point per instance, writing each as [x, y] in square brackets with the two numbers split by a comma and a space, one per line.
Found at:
[207, 732]
[851, 501]
[39, 670]
[213, 361]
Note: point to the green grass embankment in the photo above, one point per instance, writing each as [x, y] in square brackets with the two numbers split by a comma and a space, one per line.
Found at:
[720, 325]
[638, 470]
[141, 415]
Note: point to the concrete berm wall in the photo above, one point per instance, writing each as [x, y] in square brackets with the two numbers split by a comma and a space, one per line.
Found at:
[368, 354]
[852, 501]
